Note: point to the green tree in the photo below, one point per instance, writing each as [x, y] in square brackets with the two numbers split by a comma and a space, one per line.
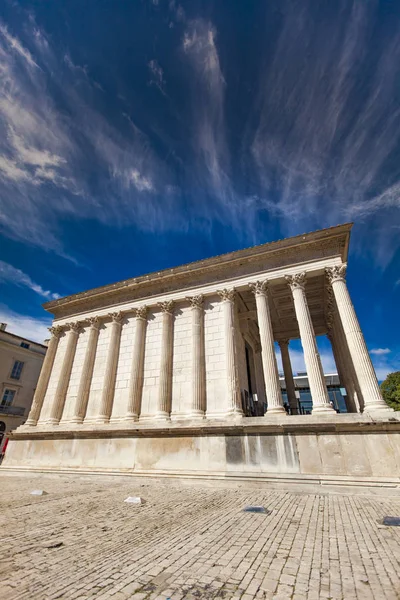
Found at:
[391, 390]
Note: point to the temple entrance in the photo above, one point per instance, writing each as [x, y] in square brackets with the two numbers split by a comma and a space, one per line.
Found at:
[252, 406]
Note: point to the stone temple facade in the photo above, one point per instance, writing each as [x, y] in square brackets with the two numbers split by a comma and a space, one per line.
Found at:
[149, 376]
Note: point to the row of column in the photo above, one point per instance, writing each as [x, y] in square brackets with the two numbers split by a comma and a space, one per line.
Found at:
[347, 330]
[137, 368]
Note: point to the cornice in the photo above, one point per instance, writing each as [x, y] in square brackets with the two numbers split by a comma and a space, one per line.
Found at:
[322, 243]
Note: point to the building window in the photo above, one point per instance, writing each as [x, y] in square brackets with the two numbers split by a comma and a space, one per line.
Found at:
[8, 397]
[17, 368]
[24, 345]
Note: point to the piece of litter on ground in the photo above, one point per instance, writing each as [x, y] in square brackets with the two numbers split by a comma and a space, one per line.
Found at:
[53, 545]
[256, 509]
[38, 493]
[133, 500]
[391, 521]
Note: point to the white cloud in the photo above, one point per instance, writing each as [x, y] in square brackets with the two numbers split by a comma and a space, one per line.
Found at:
[27, 327]
[10, 274]
[320, 145]
[380, 351]
[208, 90]
[157, 75]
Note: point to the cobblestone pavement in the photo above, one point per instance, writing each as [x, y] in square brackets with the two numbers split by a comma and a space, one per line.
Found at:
[82, 541]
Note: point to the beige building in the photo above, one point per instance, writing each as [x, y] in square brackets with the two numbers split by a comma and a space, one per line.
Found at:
[150, 376]
[20, 364]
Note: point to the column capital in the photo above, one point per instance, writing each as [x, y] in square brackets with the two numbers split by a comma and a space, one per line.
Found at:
[227, 295]
[94, 322]
[196, 301]
[56, 331]
[337, 273]
[140, 312]
[296, 281]
[283, 342]
[259, 287]
[167, 306]
[74, 327]
[116, 317]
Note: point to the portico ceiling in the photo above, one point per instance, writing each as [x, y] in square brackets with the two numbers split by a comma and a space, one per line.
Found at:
[283, 315]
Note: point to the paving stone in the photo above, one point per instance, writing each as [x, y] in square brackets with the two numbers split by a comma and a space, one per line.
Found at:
[81, 542]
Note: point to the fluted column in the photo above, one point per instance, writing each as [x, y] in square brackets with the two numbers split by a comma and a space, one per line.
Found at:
[288, 373]
[315, 373]
[57, 407]
[228, 306]
[165, 386]
[136, 381]
[342, 349]
[87, 372]
[198, 358]
[362, 363]
[110, 375]
[271, 375]
[43, 382]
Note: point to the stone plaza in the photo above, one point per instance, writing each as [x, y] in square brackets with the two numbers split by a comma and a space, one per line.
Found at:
[152, 375]
[81, 541]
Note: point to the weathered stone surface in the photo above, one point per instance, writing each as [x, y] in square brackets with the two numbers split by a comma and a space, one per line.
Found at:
[191, 542]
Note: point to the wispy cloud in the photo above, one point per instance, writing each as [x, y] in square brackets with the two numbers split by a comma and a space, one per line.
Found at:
[380, 351]
[44, 151]
[25, 326]
[208, 91]
[327, 121]
[156, 75]
[9, 274]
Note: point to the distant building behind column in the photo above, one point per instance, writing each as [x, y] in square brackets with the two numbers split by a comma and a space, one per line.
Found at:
[20, 364]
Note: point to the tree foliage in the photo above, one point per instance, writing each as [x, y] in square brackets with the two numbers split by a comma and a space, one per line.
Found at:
[391, 390]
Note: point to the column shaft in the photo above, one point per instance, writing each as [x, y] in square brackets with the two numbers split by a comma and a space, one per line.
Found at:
[57, 407]
[271, 375]
[43, 382]
[165, 385]
[198, 358]
[110, 375]
[228, 307]
[315, 374]
[87, 373]
[287, 370]
[363, 367]
[136, 382]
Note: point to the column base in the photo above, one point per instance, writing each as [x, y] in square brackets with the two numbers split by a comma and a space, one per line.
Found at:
[377, 408]
[76, 421]
[130, 418]
[275, 410]
[31, 422]
[196, 414]
[103, 419]
[52, 421]
[162, 416]
[323, 409]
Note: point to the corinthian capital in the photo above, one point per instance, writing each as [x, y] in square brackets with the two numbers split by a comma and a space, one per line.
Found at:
[336, 273]
[297, 281]
[56, 331]
[227, 295]
[196, 301]
[167, 307]
[116, 317]
[75, 327]
[259, 287]
[283, 342]
[140, 312]
[94, 322]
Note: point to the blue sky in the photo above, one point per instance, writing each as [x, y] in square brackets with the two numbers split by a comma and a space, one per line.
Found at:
[136, 136]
